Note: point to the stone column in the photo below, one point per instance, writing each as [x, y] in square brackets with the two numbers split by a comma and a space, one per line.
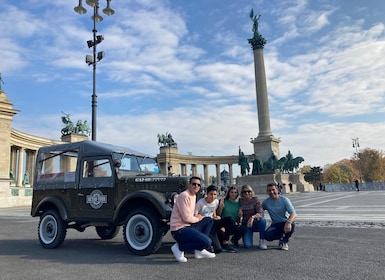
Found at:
[265, 144]
[20, 164]
[194, 170]
[205, 173]
[231, 174]
[218, 172]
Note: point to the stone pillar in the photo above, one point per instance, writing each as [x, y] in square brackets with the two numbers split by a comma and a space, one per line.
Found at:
[265, 143]
[218, 172]
[231, 174]
[184, 169]
[6, 115]
[194, 170]
[20, 164]
[205, 173]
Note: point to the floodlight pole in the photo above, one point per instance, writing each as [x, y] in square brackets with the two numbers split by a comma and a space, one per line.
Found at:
[94, 96]
[95, 58]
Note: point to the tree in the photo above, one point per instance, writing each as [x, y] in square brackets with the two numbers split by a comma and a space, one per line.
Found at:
[339, 172]
[314, 176]
[370, 161]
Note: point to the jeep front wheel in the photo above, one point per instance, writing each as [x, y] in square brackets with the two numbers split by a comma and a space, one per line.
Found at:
[142, 232]
[52, 230]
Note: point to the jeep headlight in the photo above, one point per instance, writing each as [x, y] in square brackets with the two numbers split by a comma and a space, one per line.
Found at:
[173, 198]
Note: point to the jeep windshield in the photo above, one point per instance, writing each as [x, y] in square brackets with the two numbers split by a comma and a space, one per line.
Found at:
[137, 164]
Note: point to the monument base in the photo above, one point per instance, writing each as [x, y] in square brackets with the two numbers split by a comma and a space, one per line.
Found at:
[290, 182]
[264, 146]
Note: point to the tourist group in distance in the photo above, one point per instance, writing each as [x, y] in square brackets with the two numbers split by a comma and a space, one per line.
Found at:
[211, 225]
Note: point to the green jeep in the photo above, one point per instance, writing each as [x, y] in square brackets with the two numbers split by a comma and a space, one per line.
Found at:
[87, 183]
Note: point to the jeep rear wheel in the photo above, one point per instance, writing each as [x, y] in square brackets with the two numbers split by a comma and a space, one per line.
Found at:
[52, 230]
[142, 232]
[107, 232]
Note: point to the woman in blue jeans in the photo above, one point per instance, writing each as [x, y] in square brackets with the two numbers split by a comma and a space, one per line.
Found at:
[252, 217]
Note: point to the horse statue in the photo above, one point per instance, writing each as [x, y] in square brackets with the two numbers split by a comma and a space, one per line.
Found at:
[69, 128]
[166, 140]
[82, 128]
[169, 140]
[281, 164]
[293, 163]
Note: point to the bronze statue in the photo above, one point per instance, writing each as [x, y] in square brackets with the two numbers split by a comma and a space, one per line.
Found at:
[255, 21]
[243, 162]
[80, 128]
[166, 140]
[257, 42]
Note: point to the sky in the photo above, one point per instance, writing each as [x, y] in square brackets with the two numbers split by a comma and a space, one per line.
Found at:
[186, 68]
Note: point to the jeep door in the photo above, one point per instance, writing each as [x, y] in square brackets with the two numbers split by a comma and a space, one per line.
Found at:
[96, 188]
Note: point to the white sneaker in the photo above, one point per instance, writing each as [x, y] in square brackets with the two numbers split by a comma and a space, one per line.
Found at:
[284, 246]
[262, 244]
[178, 254]
[204, 254]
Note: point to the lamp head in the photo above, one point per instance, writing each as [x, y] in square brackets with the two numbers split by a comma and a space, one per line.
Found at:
[80, 9]
[92, 3]
[96, 17]
[108, 11]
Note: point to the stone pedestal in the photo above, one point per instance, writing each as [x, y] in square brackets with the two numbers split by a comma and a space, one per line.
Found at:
[264, 146]
[165, 160]
[74, 137]
[259, 182]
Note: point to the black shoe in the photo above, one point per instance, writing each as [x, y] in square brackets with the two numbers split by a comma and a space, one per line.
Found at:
[211, 249]
[228, 248]
[235, 242]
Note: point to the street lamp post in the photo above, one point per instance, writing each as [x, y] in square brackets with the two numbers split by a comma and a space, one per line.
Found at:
[95, 58]
[356, 146]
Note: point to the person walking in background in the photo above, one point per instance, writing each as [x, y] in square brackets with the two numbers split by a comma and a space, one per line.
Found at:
[253, 219]
[282, 214]
[357, 183]
[229, 210]
[187, 227]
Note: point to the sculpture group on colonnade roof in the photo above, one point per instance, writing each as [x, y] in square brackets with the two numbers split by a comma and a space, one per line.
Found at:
[166, 140]
[80, 127]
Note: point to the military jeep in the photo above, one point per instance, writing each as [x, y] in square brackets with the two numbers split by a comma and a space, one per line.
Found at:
[87, 183]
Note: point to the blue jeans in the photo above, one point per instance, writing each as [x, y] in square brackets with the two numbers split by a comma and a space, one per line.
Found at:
[191, 238]
[258, 226]
[275, 232]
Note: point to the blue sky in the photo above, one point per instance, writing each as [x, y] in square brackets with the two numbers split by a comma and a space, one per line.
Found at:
[185, 67]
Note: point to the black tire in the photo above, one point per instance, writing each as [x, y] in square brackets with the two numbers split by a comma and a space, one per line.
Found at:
[107, 232]
[143, 232]
[52, 229]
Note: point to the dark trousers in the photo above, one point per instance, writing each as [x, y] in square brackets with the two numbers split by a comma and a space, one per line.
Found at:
[275, 232]
[194, 237]
[230, 228]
